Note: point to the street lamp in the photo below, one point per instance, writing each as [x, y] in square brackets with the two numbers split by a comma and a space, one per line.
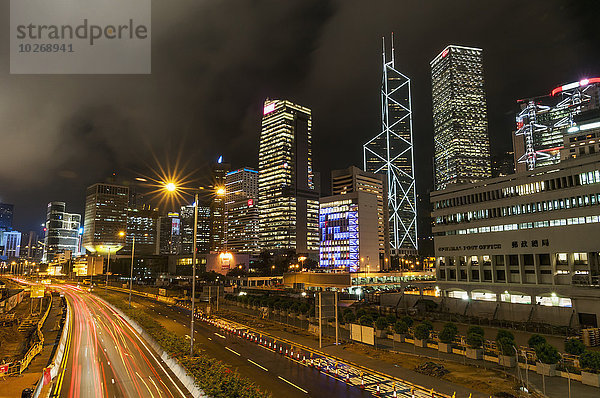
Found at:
[121, 234]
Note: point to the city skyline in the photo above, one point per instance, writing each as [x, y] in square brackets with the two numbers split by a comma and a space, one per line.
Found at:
[346, 103]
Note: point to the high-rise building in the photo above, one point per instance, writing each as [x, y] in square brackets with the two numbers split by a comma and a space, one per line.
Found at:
[217, 206]
[31, 248]
[241, 207]
[6, 216]
[354, 179]
[391, 153]
[142, 223]
[202, 231]
[288, 198]
[558, 126]
[348, 226]
[10, 242]
[461, 140]
[105, 217]
[61, 231]
[170, 234]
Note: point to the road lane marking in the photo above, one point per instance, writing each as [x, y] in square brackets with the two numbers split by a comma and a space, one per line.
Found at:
[260, 366]
[209, 338]
[292, 384]
[220, 335]
[236, 353]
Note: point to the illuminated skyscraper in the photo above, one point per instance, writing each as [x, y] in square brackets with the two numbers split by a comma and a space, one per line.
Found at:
[105, 216]
[391, 153]
[61, 231]
[461, 141]
[217, 206]
[288, 199]
[202, 232]
[241, 209]
[142, 223]
[170, 234]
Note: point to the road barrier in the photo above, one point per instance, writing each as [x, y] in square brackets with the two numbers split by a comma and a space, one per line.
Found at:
[261, 339]
[55, 366]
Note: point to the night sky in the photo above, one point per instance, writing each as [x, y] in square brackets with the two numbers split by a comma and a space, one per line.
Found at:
[214, 63]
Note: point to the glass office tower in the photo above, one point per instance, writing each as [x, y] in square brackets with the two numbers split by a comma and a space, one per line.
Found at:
[461, 140]
[288, 197]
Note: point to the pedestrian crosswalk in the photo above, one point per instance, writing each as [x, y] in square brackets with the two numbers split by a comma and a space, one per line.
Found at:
[375, 383]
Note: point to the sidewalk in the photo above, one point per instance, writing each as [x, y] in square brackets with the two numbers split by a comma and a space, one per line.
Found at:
[556, 387]
[14, 385]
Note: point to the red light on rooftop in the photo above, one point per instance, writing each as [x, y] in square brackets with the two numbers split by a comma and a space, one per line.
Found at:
[444, 53]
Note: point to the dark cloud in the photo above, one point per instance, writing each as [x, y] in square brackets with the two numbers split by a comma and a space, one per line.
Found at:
[214, 62]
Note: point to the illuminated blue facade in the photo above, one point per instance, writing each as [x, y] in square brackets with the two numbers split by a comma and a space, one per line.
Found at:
[348, 226]
[338, 227]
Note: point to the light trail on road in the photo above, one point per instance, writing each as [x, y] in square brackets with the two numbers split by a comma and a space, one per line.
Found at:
[105, 357]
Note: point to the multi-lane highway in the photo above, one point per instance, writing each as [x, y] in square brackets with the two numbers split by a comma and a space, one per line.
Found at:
[105, 357]
[268, 368]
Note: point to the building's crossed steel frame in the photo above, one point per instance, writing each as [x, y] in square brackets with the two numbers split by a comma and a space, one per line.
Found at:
[402, 196]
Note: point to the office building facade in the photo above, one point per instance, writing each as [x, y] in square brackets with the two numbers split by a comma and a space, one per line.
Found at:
[170, 234]
[461, 140]
[521, 239]
[348, 228]
[354, 179]
[202, 231]
[10, 242]
[6, 216]
[31, 247]
[61, 231]
[288, 196]
[241, 207]
[217, 206]
[142, 224]
[105, 217]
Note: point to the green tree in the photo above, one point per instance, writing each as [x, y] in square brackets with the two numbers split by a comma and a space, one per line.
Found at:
[590, 361]
[505, 341]
[536, 340]
[448, 333]
[400, 327]
[547, 354]
[422, 331]
[408, 320]
[349, 317]
[366, 320]
[381, 323]
[391, 319]
[574, 347]
[475, 337]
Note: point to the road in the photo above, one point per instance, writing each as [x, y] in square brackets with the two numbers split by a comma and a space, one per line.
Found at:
[105, 357]
[265, 366]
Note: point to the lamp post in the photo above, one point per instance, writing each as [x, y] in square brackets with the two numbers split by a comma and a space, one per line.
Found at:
[194, 272]
[131, 276]
[171, 187]
[121, 234]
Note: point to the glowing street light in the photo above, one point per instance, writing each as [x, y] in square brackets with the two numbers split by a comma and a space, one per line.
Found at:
[170, 187]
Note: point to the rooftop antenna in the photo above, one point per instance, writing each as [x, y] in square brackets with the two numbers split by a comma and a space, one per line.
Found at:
[392, 49]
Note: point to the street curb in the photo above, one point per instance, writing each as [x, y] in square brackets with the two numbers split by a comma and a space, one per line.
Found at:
[178, 370]
[58, 355]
